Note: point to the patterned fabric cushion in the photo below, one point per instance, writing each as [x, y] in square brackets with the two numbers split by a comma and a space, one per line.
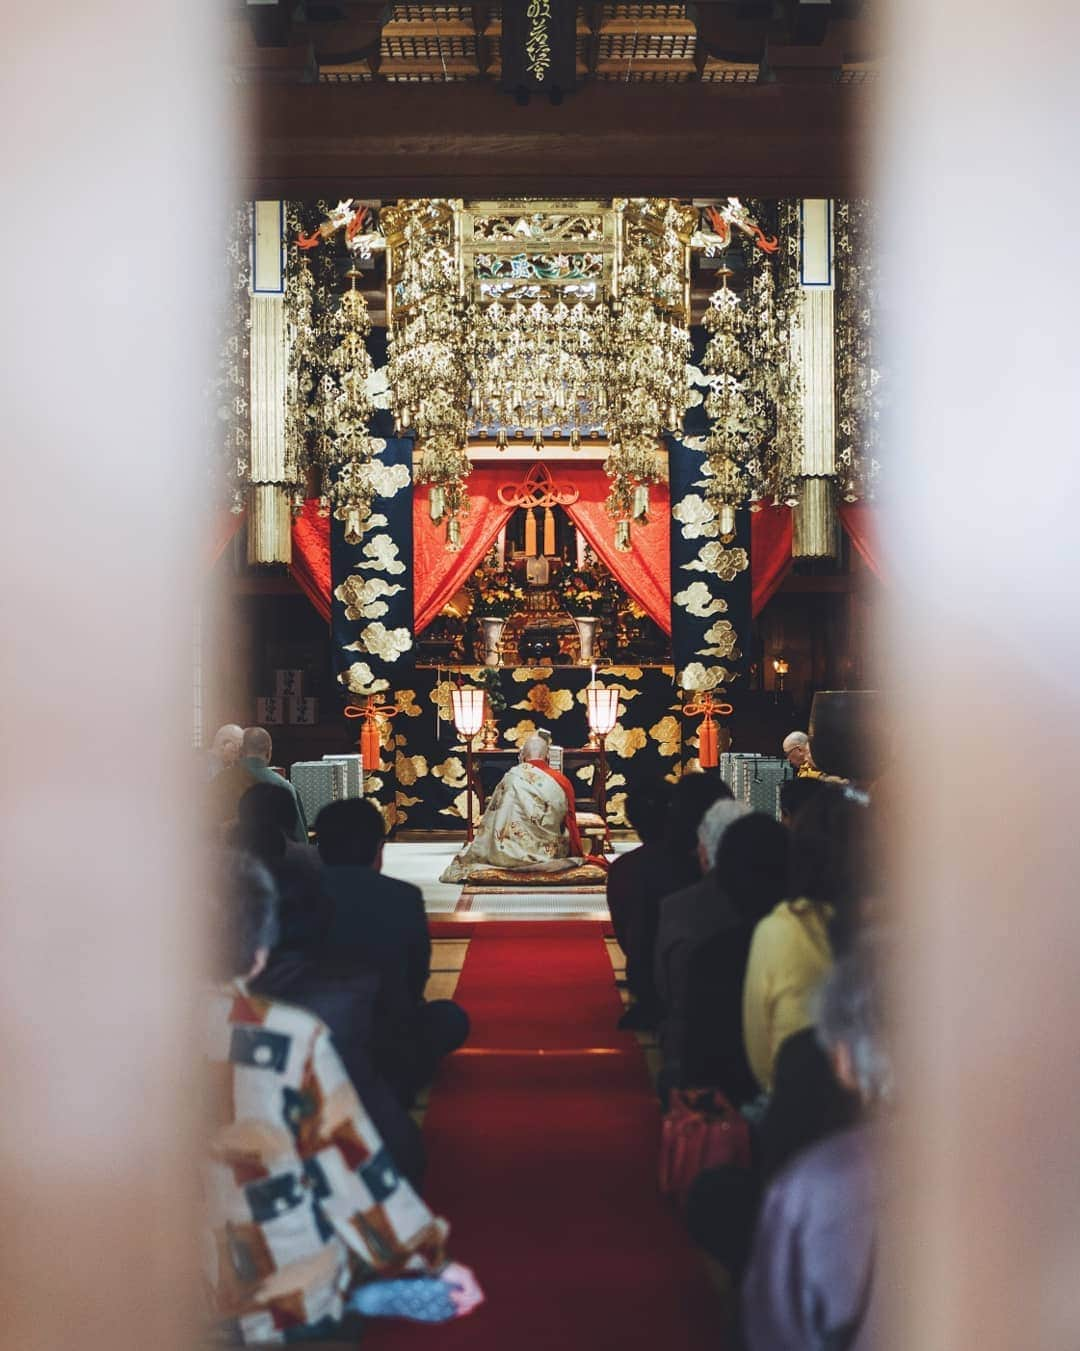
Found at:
[584, 872]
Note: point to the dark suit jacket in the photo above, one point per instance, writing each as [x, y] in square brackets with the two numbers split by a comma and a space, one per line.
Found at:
[379, 921]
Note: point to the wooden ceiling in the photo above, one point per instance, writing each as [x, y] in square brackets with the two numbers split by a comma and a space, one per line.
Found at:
[743, 96]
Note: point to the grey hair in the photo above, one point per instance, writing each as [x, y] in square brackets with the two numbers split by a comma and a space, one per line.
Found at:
[794, 739]
[535, 747]
[715, 821]
[850, 1011]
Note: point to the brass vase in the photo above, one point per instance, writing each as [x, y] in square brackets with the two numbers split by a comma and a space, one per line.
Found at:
[586, 627]
[492, 630]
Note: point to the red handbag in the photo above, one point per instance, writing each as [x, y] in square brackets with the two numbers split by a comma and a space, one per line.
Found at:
[700, 1130]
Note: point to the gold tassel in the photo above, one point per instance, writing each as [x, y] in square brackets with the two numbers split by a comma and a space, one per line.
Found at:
[530, 533]
[549, 533]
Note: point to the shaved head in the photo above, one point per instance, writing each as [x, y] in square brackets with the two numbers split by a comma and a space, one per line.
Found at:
[226, 743]
[535, 748]
[257, 744]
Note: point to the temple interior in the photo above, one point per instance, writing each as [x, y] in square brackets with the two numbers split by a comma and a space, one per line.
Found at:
[540, 676]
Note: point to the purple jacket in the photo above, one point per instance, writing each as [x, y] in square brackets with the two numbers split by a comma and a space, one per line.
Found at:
[809, 1284]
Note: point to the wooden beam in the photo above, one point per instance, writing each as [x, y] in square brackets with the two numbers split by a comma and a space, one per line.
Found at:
[608, 139]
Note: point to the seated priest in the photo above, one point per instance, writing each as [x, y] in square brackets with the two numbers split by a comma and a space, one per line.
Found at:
[530, 824]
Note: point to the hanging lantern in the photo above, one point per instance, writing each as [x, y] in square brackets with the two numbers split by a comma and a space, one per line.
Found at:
[437, 504]
[622, 537]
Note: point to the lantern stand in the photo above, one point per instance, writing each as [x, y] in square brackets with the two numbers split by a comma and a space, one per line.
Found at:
[467, 703]
[708, 741]
[602, 706]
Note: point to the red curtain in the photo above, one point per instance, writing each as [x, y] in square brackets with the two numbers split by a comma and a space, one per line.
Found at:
[437, 574]
[770, 553]
[645, 572]
[311, 556]
[860, 522]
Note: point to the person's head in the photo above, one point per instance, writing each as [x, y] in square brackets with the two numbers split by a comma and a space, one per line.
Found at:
[833, 858]
[797, 749]
[752, 865]
[713, 826]
[851, 1025]
[256, 745]
[350, 833]
[647, 801]
[247, 923]
[535, 747]
[267, 804]
[691, 798]
[794, 795]
[226, 743]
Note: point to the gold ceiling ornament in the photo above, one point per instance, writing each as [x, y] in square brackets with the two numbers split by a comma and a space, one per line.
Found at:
[541, 320]
[342, 411]
[858, 377]
[427, 363]
[649, 350]
[754, 443]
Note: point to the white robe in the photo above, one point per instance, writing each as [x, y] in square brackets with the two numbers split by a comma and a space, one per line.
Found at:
[522, 829]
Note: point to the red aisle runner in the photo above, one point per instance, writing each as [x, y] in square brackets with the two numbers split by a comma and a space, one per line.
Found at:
[545, 1164]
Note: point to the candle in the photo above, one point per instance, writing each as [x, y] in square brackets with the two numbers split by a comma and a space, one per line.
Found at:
[502, 547]
[580, 549]
[592, 678]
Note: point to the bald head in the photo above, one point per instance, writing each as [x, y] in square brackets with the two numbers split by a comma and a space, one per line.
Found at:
[797, 749]
[535, 748]
[257, 744]
[226, 743]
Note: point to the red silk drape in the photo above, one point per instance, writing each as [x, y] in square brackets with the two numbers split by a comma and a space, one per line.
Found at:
[860, 522]
[645, 572]
[770, 553]
[311, 556]
[438, 574]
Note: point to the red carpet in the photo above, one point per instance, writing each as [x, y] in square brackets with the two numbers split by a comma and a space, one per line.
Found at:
[545, 1164]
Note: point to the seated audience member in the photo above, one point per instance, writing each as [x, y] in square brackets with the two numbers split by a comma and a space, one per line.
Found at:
[690, 799]
[293, 1163]
[792, 948]
[687, 918]
[529, 823]
[380, 922]
[751, 866]
[253, 767]
[794, 795]
[300, 969]
[299, 871]
[810, 1281]
[224, 750]
[796, 749]
[638, 876]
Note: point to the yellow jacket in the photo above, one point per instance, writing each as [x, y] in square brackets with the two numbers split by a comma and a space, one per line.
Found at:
[789, 957]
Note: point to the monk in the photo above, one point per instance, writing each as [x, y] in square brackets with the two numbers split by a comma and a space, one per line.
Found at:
[530, 824]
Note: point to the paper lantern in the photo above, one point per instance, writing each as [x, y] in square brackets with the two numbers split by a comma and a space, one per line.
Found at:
[468, 706]
[603, 709]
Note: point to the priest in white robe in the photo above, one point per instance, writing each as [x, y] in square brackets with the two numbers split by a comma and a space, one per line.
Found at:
[530, 824]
